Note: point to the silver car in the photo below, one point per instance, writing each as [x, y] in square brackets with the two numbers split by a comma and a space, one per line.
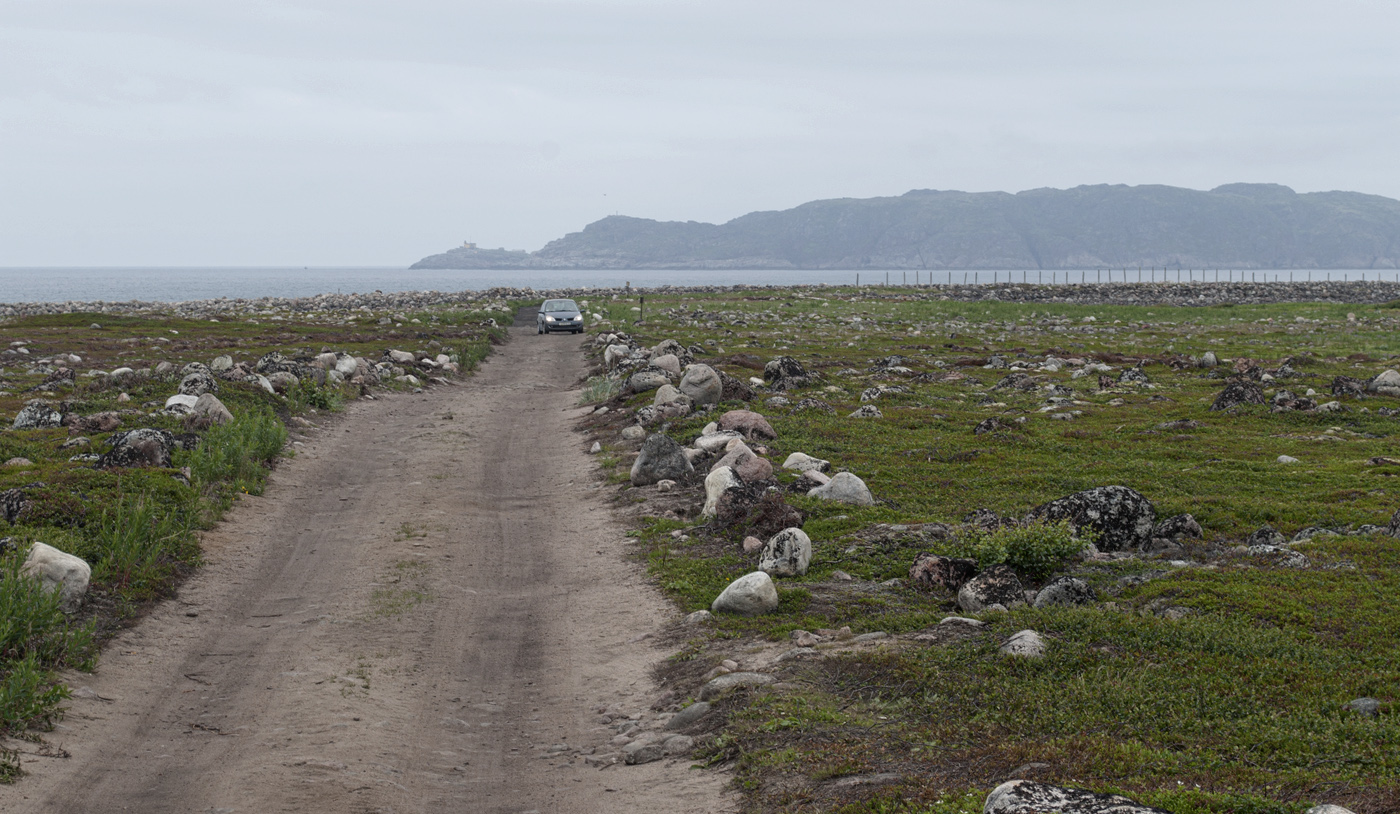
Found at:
[559, 315]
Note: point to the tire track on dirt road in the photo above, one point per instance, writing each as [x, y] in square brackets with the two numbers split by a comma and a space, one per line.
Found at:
[427, 597]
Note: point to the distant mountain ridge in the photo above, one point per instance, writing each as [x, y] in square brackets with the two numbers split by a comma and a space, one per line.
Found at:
[1238, 226]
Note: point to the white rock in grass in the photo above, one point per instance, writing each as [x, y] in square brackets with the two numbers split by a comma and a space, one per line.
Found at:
[1287, 459]
[57, 571]
[183, 400]
[800, 462]
[1024, 643]
[1328, 809]
[846, 488]
[1028, 797]
[720, 480]
[748, 595]
[786, 554]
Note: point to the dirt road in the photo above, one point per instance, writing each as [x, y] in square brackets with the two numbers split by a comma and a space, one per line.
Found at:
[429, 597]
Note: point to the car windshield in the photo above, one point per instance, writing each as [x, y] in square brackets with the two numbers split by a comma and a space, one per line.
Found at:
[559, 305]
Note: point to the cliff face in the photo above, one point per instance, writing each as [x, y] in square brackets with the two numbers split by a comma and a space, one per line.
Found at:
[1240, 226]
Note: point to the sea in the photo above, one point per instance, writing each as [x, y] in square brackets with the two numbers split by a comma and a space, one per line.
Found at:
[172, 284]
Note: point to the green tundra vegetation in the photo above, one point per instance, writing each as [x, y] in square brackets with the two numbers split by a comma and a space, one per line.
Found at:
[138, 527]
[1214, 680]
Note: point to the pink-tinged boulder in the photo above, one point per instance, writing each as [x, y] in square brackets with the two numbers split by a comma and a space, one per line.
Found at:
[752, 425]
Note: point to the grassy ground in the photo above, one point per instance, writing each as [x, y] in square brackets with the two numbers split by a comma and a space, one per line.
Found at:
[1216, 687]
[138, 528]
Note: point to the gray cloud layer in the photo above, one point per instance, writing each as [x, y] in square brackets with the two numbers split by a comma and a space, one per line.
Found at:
[366, 132]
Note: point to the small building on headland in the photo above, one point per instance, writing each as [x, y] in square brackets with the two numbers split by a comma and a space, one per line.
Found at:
[466, 244]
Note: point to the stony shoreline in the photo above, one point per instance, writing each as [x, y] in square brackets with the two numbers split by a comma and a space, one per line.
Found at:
[1175, 294]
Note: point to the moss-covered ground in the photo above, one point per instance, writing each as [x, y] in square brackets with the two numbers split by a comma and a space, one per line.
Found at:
[1233, 702]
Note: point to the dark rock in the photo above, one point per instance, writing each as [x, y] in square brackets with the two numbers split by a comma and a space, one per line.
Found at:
[1133, 375]
[1393, 529]
[1029, 797]
[734, 389]
[988, 520]
[1065, 590]
[1179, 424]
[139, 447]
[1347, 386]
[36, 415]
[1016, 381]
[786, 373]
[660, 458]
[933, 572]
[97, 422]
[1266, 535]
[757, 510]
[992, 424]
[1121, 517]
[197, 383]
[997, 585]
[1238, 391]
[814, 404]
[275, 362]
[1178, 527]
[14, 501]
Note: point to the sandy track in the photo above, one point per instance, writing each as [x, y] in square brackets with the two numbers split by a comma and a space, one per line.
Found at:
[299, 671]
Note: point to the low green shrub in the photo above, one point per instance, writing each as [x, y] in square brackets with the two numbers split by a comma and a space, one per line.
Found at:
[1034, 549]
[138, 543]
[238, 453]
[307, 394]
[599, 388]
[36, 638]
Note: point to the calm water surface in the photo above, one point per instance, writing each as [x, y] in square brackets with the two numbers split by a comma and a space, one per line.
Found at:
[168, 284]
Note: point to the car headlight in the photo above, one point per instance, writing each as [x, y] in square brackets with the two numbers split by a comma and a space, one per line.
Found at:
[549, 319]
[578, 318]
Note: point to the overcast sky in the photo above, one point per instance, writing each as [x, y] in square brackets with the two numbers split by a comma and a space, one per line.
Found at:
[368, 132]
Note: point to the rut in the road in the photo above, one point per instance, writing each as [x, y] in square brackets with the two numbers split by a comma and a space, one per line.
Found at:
[417, 608]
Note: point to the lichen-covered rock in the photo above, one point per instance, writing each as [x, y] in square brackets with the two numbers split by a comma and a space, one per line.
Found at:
[866, 411]
[1028, 797]
[58, 571]
[36, 415]
[1266, 536]
[197, 383]
[275, 362]
[660, 459]
[1121, 517]
[1178, 527]
[144, 446]
[786, 554]
[1133, 375]
[934, 572]
[1065, 591]
[751, 425]
[1238, 391]
[668, 394]
[1393, 528]
[1347, 386]
[97, 422]
[845, 488]
[702, 384]
[748, 595]
[645, 380]
[786, 373]
[997, 585]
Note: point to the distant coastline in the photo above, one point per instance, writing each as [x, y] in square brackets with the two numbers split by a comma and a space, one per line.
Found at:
[1236, 226]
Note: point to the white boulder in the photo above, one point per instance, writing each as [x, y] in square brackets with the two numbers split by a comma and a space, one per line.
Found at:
[720, 480]
[786, 554]
[57, 571]
[846, 488]
[748, 595]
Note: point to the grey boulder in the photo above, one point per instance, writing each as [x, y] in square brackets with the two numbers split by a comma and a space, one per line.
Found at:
[997, 585]
[702, 384]
[645, 380]
[144, 446]
[1121, 517]
[660, 459]
[198, 382]
[845, 488]
[1027, 797]
[36, 415]
[1065, 591]
[209, 406]
[749, 595]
